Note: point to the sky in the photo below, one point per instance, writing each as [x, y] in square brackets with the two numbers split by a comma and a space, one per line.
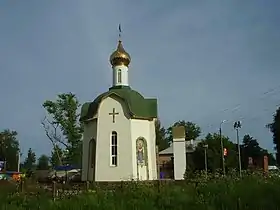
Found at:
[205, 61]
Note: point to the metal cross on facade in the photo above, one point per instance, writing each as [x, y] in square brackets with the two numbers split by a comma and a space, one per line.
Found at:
[114, 113]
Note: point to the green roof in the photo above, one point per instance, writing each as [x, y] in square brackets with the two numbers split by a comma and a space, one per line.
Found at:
[138, 106]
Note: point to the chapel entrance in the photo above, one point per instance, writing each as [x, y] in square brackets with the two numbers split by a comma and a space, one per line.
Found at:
[91, 160]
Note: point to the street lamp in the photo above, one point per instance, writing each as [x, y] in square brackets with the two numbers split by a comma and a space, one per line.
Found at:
[205, 158]
[237, 126]
[222, 147]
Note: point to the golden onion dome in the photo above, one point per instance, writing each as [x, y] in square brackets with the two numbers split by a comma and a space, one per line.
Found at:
[120, 56]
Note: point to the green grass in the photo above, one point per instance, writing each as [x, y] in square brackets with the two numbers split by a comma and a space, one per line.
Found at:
[252, 192]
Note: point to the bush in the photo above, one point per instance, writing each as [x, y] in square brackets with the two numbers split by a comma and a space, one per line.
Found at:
[213, 192]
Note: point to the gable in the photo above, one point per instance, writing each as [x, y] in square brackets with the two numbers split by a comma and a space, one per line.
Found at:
[113, 104]
[138, 107]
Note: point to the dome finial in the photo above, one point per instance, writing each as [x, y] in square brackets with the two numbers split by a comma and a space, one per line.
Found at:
[120, 56]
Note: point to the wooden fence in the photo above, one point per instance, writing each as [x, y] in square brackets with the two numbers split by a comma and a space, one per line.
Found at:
[62, 190]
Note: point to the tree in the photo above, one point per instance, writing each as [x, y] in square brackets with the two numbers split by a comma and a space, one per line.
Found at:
[43, 162]
[56, 156]
[271, 160]
[30, 160]
[161, 140]
[214, 158]
[193, 131]
[9, 149]
[62, 126]
[251, 148]
[275, 130]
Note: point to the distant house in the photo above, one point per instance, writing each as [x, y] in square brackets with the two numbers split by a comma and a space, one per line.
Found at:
[166, 155]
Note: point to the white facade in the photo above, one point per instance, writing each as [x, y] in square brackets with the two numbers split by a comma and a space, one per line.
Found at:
[120, 75]
[103, 161]
[179, 151]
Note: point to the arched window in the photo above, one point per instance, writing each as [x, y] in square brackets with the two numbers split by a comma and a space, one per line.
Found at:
[119, 76]
[92, 152]
[114, 148]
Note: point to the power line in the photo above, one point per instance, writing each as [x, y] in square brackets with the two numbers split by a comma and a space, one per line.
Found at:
[264, 95]
[243, 118]
[268, 93]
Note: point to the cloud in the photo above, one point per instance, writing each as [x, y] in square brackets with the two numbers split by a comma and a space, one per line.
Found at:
[205, 62]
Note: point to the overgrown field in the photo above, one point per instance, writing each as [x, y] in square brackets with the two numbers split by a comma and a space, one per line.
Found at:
[251, 192]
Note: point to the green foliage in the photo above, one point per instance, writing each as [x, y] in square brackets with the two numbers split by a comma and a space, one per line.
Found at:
[63, 118]
[161, 139]
[275, 130]
[9, 149]
[30, 160]
[214, 153]
[43, 163]
[271, 159]
[251, 148]
[193, 131]
[251, 192]
[56, 156]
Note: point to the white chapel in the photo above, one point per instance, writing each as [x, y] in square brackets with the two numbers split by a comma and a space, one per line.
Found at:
[119, 140]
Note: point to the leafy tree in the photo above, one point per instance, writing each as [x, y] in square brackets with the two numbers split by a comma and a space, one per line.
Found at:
[161, 139]
[9, 149]
[193, 131]
[43, 162]
[214, 158]
[271, 159]
[251, 148]
[275, 130]
[62, 125]
[30, 160]
[56, 156]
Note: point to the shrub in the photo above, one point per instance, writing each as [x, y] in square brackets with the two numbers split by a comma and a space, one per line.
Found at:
[252, 191]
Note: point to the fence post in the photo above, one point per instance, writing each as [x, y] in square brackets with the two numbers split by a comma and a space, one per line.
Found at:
[21, 185]
[87, 185]
[54, 190]
[157, 183]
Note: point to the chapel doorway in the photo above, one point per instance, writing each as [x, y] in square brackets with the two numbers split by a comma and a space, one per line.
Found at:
[91, 160]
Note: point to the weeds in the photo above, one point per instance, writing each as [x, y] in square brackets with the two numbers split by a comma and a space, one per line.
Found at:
[252, 191]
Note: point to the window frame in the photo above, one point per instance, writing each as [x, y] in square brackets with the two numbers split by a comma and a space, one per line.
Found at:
[114, 149]
[119, 76]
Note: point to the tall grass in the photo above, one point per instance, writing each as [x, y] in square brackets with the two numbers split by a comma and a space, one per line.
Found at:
[251, 192]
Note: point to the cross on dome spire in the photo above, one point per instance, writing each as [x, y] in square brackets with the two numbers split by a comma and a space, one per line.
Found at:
[120, 32]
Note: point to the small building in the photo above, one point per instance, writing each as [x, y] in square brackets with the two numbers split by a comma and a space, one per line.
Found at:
[166, 157]
[167, 154]
[119, 140]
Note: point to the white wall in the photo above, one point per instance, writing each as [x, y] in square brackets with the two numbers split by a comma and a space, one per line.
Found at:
[153, 169]
[90, 130]
[124, 75]
[104, 171]
[179, 152]
[145, 129]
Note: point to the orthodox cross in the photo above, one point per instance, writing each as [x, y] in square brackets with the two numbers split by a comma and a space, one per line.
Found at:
[114, 113]
[120, 31]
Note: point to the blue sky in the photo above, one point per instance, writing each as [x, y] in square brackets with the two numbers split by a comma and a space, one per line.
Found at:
[205, 61]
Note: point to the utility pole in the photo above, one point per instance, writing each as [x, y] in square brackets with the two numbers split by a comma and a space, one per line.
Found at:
[237, 126]
[205, 159]
[222, 148]
[18, 161]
